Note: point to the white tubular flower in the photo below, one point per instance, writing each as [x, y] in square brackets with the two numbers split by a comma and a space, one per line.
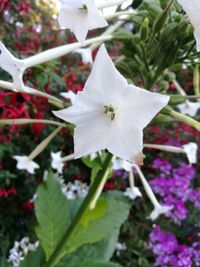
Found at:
[189, 108]
[191, 151]
[132, 192]
[192, 9]
[69, 95]
[12, 65]
[86, 55]
[159, 210]
[56, 162]
[111, 114]
[24, 163]
[80, 16]
[121, 164]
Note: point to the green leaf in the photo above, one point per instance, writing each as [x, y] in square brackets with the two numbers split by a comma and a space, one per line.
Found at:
[34, 259]
[52, 214]
[99, 228]
[94, 264]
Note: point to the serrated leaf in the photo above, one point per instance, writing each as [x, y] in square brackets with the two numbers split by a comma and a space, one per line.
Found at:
[52, 214]
[34, 259]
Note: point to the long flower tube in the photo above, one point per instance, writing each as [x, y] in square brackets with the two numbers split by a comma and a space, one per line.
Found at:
[30, 121]
[31, 91]
[60, 51]
[44, 144]
[158, 209]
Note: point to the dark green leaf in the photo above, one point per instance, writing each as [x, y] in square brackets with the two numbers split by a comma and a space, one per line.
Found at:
[52, 214]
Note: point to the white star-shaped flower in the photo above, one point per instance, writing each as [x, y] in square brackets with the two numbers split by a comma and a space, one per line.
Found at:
[12, 65]
[121, 164]
[110, 114]
[86, 55]
[56, 162]
[69, 95]
[133, 192]
[24, 163]
[80, 16]
[192, 9]
[159, 210]
[189, 108]
[191, 152]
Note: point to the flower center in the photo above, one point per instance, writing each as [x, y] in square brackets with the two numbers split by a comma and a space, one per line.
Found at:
[83, 8]
[110, 111]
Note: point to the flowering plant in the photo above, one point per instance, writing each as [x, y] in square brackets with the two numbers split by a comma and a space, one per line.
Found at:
[98, 108]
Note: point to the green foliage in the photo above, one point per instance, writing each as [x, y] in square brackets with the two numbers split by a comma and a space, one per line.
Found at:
[52, 214]
[98, 229]
[90, 264]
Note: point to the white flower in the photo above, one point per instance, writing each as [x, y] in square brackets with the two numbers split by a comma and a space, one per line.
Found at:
[24, 163]
[121, 164]
[57, 162]
[110, 114]
[132, 192]
[80, 16]
[120, 247]
[189, 108]
[108, 10]
[192, 9]
[20, 250]
[86, 55]
[69, 95]
[12, 65]
[191, 151]
[158, 210]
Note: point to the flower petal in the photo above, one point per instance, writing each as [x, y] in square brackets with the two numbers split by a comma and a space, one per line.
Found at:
[192, 9]
[105, 81]
[140, 105]
[126, 141]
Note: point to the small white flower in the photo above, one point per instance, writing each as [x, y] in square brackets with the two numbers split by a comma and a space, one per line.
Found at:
[121, 164]
[111, 114]
[80, 16]
[56, 162]
[86, 55]
[12, 65]
[189, 108]
[69, 95]
[158, 210]
[132, 192]
[119, 247]
[192, 9]
[24, 163]
[191, 151]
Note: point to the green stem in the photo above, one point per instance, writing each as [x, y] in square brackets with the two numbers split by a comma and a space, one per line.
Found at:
[84, 207]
